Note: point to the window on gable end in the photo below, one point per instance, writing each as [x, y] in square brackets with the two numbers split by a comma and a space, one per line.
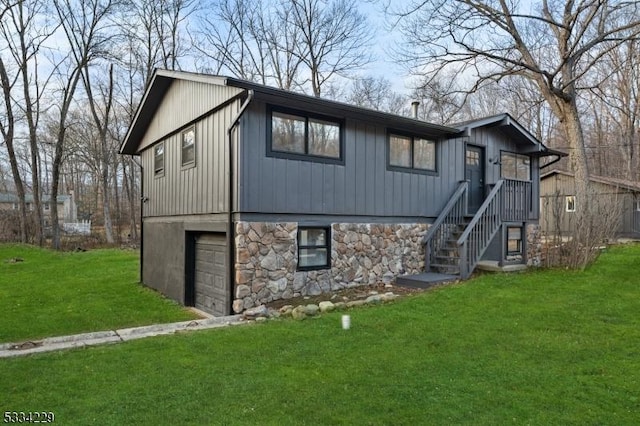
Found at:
[158, 159]
[189, 147]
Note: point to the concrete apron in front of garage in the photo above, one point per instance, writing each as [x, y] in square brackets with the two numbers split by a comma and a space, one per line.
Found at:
[113, 336]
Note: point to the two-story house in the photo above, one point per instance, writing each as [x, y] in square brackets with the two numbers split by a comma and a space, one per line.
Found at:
[252, 194]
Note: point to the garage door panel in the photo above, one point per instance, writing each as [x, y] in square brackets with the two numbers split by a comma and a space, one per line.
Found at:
[211, 292]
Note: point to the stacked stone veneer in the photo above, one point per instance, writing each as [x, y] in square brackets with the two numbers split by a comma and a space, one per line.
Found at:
[534, 244]
[361, 254]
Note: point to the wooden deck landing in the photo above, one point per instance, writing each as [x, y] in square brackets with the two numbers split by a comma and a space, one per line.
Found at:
[425, 280]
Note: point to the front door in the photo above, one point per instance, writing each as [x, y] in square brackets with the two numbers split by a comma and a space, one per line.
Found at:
[474, 174]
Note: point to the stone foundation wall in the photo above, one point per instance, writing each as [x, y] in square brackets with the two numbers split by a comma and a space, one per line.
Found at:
[361, 254]
[534, 244]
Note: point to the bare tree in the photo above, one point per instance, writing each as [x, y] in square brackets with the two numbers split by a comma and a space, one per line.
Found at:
[24, 32]
[7, 127]
[250, 40]
[616, 105]
[377, 93]
[334, 38]
[553, 45]
[84, 23]
[101, 110]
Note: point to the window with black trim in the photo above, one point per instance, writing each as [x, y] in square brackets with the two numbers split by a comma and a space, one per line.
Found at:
[189, 147]
[296, 134]
[158, 159]
[515, 166]
[314, 249]
[570, 203]
[514, 240]
[411, 152]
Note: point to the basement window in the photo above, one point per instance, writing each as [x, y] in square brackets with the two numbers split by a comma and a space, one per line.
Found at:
[514, 240]
[302, 136]
[570, 203]
[189, 147]
[158, 159]
[313, 248]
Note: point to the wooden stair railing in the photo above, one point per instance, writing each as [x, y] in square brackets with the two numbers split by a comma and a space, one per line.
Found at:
[450, 218]
[455, 245]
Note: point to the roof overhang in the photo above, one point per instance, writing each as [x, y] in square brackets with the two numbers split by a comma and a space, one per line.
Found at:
[515, 131]
[618, 183]
[161, 81]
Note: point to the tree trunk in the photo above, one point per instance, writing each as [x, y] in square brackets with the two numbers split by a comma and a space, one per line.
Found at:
[572, 127]
[13, 161]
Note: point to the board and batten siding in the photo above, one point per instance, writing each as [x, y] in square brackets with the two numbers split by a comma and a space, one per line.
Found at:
[199, 189]
[557, 187]
[495, 142]
[184, 102]
[361, 187]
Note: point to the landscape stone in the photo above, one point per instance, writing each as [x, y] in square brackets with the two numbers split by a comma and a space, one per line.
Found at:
[311, 310]
[298, 313]
[257, 312]
[375, 299]
[326, 306]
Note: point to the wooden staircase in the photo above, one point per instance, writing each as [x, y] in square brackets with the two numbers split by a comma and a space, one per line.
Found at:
[456, 241]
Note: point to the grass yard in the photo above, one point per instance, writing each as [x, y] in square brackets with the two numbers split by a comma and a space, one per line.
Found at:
[544, 347]
[52, 294]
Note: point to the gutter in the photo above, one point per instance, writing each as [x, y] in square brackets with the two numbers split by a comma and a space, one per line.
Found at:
[230, 191]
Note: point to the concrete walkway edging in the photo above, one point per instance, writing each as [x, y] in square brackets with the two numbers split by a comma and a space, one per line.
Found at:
[49, 344]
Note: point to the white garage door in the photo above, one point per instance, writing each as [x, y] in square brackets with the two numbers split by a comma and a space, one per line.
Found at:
[211, 292]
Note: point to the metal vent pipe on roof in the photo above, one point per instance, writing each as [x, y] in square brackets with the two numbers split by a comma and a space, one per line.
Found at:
[414, 108]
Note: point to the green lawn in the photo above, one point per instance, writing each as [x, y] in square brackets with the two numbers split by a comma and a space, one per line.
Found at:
[542, 348]
[53, 294]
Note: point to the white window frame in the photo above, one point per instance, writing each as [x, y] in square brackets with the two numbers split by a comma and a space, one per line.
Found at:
[159, 170]
[568, 201]
[184, 138]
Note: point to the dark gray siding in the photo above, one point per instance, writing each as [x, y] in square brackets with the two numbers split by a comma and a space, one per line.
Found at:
[495, 141]
[191, 190]
[361, 187]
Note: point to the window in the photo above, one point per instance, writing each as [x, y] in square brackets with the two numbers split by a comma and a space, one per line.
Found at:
[409, 152]
[46, 206]
[158, 159]
[570, 203]
[189, 147]
[313, 248]
[515, 166]
[473, 158]
[514, 240]
[305, 137]
[637, 203]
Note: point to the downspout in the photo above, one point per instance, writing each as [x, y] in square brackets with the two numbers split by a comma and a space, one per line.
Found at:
[230, 227]
[142, 201]
[558, 158]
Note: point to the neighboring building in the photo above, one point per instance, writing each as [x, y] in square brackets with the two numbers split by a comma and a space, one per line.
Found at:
[558, 203]
[323, 195]
[66, 205]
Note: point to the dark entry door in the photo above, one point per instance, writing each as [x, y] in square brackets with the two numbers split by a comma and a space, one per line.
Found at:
[474, 173]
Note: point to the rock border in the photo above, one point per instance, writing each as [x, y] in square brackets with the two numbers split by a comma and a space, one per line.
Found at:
[303, 311]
